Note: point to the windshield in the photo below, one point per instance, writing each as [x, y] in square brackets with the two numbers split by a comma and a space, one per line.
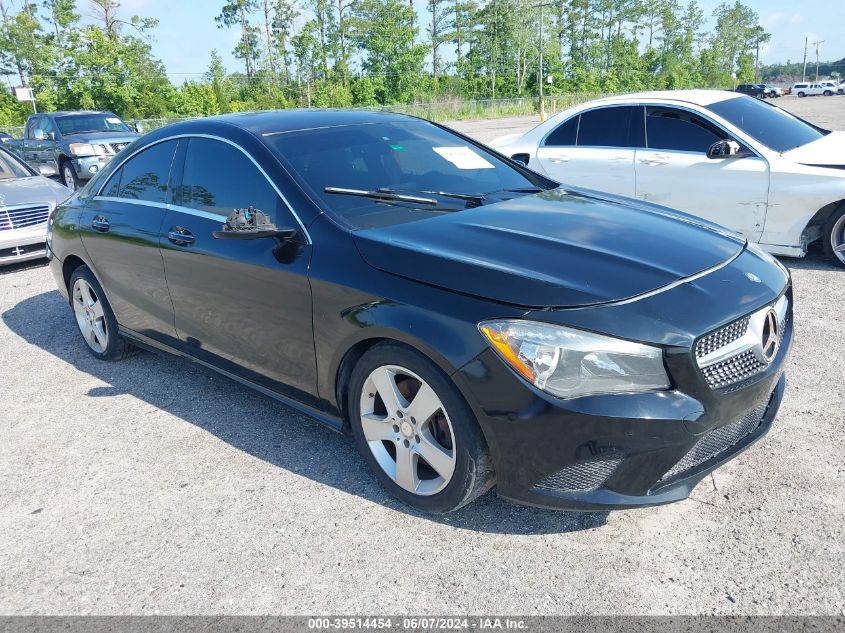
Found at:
[11, 168]
[775, 128]
[414, 157]
[78, 123]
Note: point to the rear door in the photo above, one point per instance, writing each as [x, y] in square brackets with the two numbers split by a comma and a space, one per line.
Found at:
[595, 149]
[241, 305]
[674, 171]
[120, 229]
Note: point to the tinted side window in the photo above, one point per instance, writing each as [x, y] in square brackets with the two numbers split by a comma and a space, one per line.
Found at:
[680, 130]
[145, 176]
[564, 134]
[112, 188]
[219, 178]
[608, 127]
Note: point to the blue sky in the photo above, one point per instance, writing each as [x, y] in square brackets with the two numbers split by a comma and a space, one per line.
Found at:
[187, 32]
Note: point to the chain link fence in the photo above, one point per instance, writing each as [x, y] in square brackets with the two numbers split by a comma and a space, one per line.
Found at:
[440, 110]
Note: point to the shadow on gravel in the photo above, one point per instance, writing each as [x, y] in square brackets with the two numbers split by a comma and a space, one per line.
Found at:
[256, 424]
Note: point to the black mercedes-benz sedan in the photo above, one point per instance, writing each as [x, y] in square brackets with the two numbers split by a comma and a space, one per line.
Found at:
[468, 321]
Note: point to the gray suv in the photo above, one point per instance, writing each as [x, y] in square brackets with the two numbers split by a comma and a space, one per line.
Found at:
[76, 145]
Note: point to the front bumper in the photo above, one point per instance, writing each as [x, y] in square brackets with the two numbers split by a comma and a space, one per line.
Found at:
[87, 166]
[623, 450]
[20, 245]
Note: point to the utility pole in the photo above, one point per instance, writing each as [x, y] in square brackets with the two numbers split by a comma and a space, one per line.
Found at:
[816, 44]
[540, 78]
[804, 71]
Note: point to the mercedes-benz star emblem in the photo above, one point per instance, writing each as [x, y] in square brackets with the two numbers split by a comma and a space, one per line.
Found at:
[770, 339]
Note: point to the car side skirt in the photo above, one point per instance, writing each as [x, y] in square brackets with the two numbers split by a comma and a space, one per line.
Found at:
[333, 422]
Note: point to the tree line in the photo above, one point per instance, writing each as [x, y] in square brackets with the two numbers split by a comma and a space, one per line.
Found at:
[318, 53]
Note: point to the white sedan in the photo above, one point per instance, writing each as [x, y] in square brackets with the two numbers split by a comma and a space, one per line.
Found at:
[722, 156]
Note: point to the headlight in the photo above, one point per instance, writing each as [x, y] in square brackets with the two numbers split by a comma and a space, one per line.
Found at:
[569, 363]
[82, 149]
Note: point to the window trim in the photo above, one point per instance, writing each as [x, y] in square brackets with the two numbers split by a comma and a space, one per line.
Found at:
[189, 210]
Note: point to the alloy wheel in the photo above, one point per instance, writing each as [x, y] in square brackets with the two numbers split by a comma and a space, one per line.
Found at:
[408, 430]
[67, 175]
[90, 316]
[837, 239]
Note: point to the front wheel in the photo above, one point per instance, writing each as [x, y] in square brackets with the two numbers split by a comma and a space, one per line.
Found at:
[416, 431]
[828, 93]
[69, 177]
[834, 237]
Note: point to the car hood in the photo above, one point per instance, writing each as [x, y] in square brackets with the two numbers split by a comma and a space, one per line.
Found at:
[828, 151]
[503, 141]
[34, 190]
[102, 137]
[559, 248]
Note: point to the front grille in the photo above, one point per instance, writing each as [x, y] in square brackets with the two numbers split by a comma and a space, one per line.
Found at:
[718, 339]
[719, 440]
[23, 217]
[733, 353]
[733, 370]
[116, 147]
[584, 476]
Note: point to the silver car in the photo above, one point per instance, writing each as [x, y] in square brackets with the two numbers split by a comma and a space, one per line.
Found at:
[26, 200]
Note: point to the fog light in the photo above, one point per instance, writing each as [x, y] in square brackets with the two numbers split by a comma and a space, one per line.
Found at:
[93, 169]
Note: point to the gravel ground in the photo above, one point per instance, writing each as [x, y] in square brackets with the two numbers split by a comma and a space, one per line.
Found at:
[147, 486]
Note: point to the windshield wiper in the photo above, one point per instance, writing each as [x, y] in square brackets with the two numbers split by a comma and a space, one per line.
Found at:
[379, 194]
[477, 198]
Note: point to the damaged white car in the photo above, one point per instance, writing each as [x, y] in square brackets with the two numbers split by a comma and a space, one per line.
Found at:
[731, 159]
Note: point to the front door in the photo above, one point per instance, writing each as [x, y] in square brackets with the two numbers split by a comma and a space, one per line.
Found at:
[674, 171]
[595, 149]
[241, 305]
[120, 228]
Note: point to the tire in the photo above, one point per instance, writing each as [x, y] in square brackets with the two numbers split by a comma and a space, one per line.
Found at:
[834, 237]
[828, 93]
[95, 319]
[389, 437]
[801, 94]
[68, 175]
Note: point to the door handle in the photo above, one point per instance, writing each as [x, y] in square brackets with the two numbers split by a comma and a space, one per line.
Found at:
[100, 224]
[557, 160]
[180, 236]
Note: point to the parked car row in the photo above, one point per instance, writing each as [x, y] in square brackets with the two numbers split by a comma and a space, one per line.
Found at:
[761, 91]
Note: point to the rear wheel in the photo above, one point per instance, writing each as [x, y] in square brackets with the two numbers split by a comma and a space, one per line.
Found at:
[828, 93]
[834, 237]
[802, 94]
[95, 318]
[416, 431]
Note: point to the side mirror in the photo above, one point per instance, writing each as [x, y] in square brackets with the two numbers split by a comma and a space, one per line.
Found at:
[251, 224]
[138, 127]
[724, 149]
[38, 134]
[47, 171]
[51, 136]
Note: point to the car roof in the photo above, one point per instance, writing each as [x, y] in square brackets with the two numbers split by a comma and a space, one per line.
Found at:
[72, 112]
[696, 97]
[272, 122]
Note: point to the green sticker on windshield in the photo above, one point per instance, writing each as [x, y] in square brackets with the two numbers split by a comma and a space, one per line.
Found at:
[397, 148]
